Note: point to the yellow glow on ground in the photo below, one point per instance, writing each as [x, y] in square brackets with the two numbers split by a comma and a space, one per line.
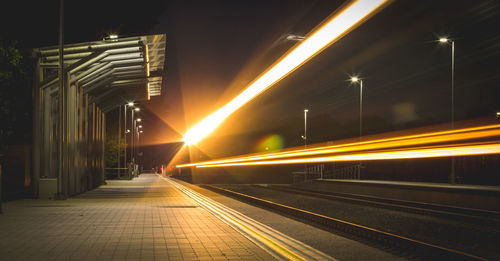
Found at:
[346, 20]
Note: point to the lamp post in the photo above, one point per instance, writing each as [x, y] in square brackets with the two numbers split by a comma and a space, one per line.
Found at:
[294, 37]
[136, 137]
[132, 141]
[130, 105]
[447, 40]
[139, 156]
[304, 137]
[356, 79]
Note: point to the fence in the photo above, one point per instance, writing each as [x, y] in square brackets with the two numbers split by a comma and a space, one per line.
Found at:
[327, 171]
[343, 172]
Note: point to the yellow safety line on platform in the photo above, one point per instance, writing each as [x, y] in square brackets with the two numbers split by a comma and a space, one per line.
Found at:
[277, 244]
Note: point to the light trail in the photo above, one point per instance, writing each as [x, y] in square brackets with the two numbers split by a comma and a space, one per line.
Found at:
[467, 149]
[345, 20]
[386, 143]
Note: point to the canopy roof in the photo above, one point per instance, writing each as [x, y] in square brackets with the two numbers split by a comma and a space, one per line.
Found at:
[112, 71]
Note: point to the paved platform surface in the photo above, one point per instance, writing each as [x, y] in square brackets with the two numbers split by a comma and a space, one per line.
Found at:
[143, 219]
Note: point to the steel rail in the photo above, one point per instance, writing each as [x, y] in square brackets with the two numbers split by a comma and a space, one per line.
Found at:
[416, 247]
[463, 214]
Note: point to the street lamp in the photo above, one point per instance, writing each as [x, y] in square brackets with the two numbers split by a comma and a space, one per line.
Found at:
[127, 105]
[294, 37]
[304, 137]
[356, 79]
[447, 40]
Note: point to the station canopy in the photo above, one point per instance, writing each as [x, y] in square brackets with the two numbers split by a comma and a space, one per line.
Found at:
[112, 71]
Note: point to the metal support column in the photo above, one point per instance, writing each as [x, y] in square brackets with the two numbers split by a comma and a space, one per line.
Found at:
[60, 171]
[119, 138]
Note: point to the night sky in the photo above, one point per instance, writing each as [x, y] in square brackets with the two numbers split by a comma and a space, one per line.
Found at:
[215, 48]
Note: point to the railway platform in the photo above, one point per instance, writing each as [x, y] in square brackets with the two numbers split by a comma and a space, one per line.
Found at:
[156, 218]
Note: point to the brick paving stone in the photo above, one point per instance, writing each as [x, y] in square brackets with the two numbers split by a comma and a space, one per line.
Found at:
[142, 219]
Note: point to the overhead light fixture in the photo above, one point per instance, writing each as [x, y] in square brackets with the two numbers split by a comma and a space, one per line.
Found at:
[139, 119]
[137, 109]
[443, 40]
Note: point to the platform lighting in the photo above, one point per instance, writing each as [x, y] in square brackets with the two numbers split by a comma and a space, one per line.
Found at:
[140, 126]
[498, 114]
[137, 109]
[128, 131]
[139, 119]
[140, 131]
[448, 40]
[345, 20]
[293, 37]
[130, 104]
[113, 36]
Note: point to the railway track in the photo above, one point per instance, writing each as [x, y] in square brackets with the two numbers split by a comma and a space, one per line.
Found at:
[409, 245]
[462, 214]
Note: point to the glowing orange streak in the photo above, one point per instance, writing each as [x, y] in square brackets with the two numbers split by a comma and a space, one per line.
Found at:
[344, 21]
[418, 139]
[457, 150]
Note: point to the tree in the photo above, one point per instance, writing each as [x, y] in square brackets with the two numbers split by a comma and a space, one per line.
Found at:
[111, 153]
[15, 94]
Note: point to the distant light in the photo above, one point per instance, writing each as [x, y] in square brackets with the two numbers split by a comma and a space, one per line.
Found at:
[498, 113]
[140, 126]
[139, 119]
[330, 31]
[141, 131]
[130, 104]
[128, 131]
[306, 110]
[293, 37]
[443, 40]
[137, 109]
[354, 79]
[113, 36]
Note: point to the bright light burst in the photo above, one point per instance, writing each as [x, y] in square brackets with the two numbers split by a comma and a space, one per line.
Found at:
[346, 20]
